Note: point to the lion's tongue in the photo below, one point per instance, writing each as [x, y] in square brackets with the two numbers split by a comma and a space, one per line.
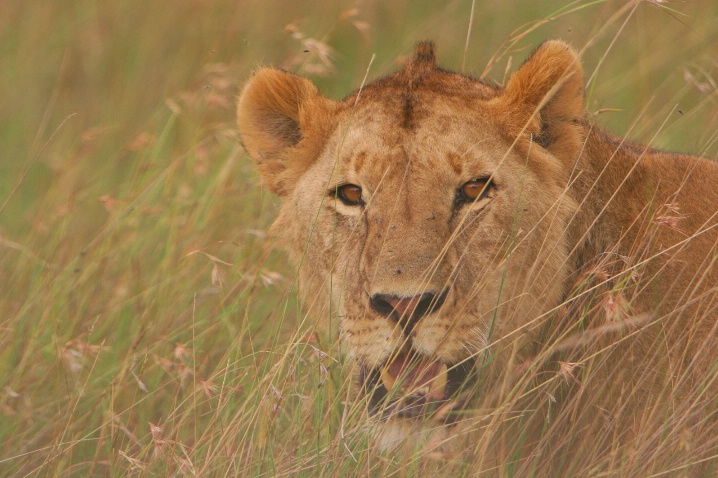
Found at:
[422, 377]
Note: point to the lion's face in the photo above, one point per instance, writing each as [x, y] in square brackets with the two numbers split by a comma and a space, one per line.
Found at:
[423, 213]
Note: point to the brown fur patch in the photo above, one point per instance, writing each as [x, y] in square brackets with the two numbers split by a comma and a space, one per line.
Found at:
[456, 162]
[422, 63]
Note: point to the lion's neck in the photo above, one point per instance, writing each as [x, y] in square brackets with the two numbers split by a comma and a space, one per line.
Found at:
[612, 188]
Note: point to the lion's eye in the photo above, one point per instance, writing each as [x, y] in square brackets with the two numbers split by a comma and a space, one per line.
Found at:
[349, 194]
[475, 189]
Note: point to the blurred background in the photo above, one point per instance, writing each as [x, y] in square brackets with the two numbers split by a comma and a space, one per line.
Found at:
[142, 307]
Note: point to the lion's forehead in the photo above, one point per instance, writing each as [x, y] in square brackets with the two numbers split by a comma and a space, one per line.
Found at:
[431, 113]
[447, 144]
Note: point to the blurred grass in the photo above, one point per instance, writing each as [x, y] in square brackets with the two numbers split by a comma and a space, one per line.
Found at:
[138, 287]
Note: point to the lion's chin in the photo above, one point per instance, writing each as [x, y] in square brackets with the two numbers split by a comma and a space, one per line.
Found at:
[410, 435]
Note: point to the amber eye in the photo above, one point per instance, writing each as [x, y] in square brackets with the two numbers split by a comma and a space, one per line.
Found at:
[350, 194]
[476, 189]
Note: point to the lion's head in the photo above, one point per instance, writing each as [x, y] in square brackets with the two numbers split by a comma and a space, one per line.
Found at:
[428, 210]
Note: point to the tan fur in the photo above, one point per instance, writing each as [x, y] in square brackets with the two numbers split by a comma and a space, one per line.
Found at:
[591, 251]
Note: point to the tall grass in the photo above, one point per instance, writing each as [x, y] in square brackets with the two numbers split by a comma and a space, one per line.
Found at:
[147, 326]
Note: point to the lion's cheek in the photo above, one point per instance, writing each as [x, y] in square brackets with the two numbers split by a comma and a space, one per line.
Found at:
[457, 334]
[449, 344]
[369, 342]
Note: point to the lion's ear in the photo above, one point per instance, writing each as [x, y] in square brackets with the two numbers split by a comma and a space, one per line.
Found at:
[281, 119]
[545, 96]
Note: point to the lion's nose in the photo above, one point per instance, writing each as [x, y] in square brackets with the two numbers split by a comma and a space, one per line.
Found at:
[407, 311]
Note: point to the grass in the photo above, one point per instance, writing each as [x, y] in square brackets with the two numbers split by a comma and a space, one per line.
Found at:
[147, 326]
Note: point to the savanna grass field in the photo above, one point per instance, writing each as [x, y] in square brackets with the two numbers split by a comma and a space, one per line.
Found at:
[148, 326]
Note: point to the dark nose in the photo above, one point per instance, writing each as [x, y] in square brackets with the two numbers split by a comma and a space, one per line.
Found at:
[407, 311]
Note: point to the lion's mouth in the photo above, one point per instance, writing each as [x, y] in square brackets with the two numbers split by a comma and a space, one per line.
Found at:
[411, 386]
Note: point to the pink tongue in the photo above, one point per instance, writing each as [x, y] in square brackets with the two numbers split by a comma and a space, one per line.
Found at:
[413, 374]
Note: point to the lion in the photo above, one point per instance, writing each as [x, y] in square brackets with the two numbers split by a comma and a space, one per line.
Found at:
[505, 272]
